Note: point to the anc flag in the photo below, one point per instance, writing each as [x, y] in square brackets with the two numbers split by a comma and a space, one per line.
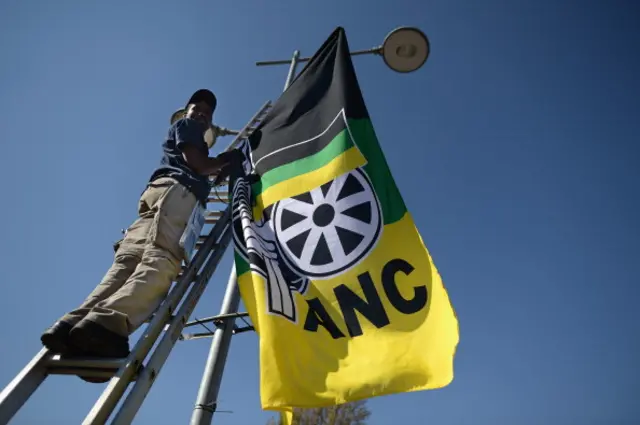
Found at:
[342, 291]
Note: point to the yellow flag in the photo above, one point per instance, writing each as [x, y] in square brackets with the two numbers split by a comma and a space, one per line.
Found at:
[342, 291]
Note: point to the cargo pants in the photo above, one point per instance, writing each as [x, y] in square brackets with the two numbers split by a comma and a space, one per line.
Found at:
[145, 264]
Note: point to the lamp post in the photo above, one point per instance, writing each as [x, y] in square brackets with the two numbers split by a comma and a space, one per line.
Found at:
[404, 50]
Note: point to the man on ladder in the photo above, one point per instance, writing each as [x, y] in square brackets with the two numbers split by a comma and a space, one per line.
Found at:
[148, 258]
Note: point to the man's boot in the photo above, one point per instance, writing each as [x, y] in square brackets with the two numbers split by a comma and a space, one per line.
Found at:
[97, 341]
[56, 338]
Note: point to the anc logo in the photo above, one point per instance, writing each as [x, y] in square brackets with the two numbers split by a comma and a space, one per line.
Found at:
[314, 235]
[328, 230]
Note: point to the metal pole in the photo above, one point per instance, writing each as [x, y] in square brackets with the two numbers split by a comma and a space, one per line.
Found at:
[210, 385]
[372, 51]
[292, 69]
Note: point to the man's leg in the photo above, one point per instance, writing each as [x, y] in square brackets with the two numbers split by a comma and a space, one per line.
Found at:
[56, 337]
[105, 329]
[128, 255]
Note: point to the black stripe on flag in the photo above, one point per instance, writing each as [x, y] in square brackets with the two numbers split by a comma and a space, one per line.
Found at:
[303, 148]
[325, 86]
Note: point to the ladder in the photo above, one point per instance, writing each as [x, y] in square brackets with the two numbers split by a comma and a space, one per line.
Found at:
[165, 325]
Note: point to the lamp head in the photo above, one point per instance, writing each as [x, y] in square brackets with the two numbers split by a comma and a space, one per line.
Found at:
[405, 49]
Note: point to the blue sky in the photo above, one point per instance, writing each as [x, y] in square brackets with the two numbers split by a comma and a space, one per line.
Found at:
[515, 149]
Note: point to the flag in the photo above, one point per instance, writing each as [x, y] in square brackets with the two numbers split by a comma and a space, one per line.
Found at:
[342, 292]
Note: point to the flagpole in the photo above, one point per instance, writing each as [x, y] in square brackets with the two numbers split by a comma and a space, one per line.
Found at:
[207, 400]
[292, 69]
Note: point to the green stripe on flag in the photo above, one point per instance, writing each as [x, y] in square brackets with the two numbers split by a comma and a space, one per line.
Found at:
[337, 146]
[393, 206]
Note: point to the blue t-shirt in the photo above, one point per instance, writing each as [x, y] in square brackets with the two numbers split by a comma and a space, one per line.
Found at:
[184, 132]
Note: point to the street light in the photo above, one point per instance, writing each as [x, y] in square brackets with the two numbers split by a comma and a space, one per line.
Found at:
[404, 50]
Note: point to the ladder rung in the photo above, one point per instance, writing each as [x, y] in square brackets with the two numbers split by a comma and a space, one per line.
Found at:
[218, 193]
[58, 362]
[212, 217]
[87, 367]
[86, 373]
[212, 199]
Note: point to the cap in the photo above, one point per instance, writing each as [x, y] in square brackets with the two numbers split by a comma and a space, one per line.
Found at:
[204, 95]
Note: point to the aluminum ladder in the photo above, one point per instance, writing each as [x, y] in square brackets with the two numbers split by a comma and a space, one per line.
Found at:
[166, 325]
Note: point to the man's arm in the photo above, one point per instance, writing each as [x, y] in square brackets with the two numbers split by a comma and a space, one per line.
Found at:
[201, 163]
[190, 141]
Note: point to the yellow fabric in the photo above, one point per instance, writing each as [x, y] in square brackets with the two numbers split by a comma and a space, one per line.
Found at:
[300, 368]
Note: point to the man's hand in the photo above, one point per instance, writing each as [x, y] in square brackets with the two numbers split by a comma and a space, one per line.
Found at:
[228, 157]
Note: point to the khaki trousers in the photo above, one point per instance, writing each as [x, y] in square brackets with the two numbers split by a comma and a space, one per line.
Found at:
[146, 262]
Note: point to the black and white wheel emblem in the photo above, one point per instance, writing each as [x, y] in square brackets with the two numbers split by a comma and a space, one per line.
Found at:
[328, 230]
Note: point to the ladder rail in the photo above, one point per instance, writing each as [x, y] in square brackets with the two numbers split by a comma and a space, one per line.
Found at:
[147, 377]
[14, 395]
[248, 129]
[112, 394]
